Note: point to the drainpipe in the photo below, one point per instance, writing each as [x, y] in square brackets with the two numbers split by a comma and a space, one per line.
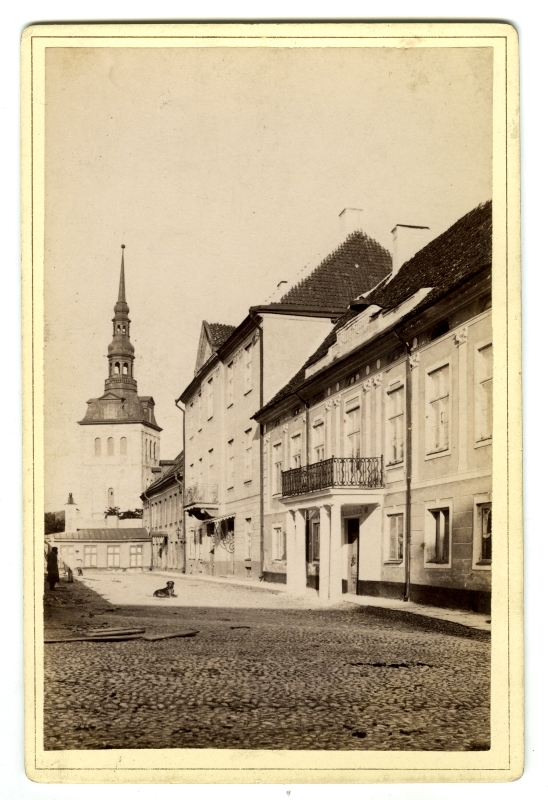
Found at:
[182, 484]
[252, 316]
[408, 462]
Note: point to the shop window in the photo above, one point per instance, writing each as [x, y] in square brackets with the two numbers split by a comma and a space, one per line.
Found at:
[313, 541]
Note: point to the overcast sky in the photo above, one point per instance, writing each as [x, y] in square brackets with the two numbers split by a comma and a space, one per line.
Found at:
[224, 171]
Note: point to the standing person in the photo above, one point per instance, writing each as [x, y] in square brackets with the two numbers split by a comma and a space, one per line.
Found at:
[53, 568]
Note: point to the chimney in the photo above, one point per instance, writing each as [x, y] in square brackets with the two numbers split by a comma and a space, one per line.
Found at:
[350, 220]
[408, 240]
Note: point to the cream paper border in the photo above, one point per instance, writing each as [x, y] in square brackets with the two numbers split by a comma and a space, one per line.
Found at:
[504, 762]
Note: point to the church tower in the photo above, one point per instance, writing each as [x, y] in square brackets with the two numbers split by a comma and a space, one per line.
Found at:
[120, 440]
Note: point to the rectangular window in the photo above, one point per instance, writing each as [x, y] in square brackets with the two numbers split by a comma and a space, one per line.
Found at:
[230, 448]
[199, 402]
[277, 468]
[296, 448]
[314, 541]
[209, 397]
[319, 441]
[230, 384]
[395, 426]
[190, 420]
[438, 410]
[90, 555]
[248, 373]
[248, 463]
[352, 432]
[484, 393]
[278, 543]
[247, 541]
[395, 533]
[437, 544]
[486, 540]
[136, 555]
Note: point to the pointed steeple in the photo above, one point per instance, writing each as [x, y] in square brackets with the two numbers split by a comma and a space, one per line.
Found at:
[121, 352]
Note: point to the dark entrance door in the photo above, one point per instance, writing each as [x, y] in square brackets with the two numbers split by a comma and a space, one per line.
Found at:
[353, 539]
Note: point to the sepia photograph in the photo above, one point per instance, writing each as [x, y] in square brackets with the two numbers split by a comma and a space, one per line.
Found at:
[268, 516]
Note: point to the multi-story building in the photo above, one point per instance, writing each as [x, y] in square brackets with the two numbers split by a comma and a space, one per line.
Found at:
[163, 515]
[377, 453]
[237, 370]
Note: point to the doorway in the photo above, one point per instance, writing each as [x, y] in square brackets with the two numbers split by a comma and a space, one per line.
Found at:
[353, 541]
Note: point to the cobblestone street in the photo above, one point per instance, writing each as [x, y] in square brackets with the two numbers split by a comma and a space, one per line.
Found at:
[263, 672]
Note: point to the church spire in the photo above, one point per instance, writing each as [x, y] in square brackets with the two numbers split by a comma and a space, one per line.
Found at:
[121, 352]
[122, 289]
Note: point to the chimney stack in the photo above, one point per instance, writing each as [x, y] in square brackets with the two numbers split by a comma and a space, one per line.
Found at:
[350, 220]
[408, 240]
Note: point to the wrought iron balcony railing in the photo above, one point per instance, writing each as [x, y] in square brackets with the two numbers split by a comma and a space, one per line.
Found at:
[197, 493]
[366, 473]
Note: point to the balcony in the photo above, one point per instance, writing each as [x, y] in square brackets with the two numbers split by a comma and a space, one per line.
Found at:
[202, 501]
[362, 473]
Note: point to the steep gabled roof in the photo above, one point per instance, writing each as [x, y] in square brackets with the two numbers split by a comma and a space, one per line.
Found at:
[220, 333]
[354, 267]
[445, 263]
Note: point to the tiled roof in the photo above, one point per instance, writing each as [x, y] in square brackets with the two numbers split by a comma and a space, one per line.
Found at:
[457, 254]
[220, 333]
[103, 535]
[444, 263]
[354, 267]
[178, 463]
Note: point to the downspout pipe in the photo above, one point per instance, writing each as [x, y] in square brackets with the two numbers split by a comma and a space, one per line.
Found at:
[253, 317]
[408, 463]
[182, 484]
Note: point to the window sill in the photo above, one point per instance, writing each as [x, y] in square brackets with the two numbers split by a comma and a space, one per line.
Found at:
[230, 405]
[248, 392]
[437, 454]
[210, 418]
[394, 562]
[483, 442]
[437, 565]
[247, 559]
[483, 563]
[229, 488]
[394, 464]
[248, 480]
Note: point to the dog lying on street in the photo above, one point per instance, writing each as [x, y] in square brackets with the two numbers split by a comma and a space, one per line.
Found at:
[167, 591]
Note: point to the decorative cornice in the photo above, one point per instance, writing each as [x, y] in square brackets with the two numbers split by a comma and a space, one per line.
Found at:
[461, 335]
[414, 360]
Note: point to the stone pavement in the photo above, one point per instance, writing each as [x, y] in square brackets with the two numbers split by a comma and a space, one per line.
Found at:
[262, 673]
[276, 597]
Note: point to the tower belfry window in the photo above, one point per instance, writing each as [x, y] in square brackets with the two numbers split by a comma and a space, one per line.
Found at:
[117, 368]
[118, 328]
[125, 369]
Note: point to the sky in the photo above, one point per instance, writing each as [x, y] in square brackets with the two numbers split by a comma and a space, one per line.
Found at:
[224, 171]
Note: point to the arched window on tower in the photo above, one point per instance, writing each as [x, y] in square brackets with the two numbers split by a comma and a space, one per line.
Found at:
[118, 328]
[97, 447]
[150, 449]
[110, 500]
[123, 446]
[123, 328]
[110, 446]
[117, 368]
[125, 370]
